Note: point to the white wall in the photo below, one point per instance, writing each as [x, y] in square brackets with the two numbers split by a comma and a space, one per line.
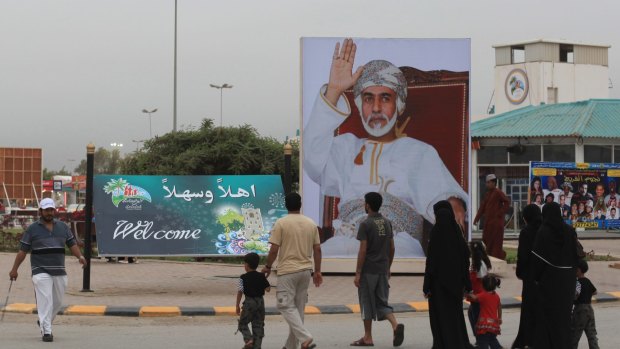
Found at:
[575, 82]
[593, 81]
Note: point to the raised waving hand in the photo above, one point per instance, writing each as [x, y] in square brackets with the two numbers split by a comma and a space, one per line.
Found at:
[341, 76]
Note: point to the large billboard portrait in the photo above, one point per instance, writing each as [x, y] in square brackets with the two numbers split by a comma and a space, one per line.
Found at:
[388, 116]
[586, 192]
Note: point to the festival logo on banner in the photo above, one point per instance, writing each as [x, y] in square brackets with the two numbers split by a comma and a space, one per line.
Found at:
[123, 192]
[586, 192]
[186, 215]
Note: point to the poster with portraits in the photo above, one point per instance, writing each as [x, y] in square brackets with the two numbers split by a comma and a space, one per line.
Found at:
[388, 116]
[586, 192]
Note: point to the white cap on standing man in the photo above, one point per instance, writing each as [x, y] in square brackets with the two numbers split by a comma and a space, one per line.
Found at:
[47, 203]
[490, 177]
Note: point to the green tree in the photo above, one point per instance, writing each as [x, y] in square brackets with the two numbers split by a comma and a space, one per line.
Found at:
[106, 162]
[211, 150]
[49, 174]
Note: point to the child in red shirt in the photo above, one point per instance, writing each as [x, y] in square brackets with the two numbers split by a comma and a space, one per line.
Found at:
[490, 318]
[480, 265]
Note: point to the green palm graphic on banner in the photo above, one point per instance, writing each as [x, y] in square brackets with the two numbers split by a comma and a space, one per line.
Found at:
[121, 190]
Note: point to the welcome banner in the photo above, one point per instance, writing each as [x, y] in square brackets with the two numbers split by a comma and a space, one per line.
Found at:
[586, 192]
[186, 215]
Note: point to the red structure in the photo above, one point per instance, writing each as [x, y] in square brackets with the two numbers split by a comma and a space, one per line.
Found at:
[20, 172]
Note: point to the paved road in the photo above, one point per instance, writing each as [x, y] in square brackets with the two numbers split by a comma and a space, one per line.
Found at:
[331, 331]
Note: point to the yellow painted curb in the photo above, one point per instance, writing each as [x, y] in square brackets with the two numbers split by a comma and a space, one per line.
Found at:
[225, 310]
[354, 308]
[21, 308]
[160, 311]
[615, 294]
[85, 310]
[419, 306]
[311, 310]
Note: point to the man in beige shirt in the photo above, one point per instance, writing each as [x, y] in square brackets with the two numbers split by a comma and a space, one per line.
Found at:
[295, 242]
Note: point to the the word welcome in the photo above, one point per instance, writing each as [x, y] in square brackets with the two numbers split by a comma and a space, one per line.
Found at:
[142, 230]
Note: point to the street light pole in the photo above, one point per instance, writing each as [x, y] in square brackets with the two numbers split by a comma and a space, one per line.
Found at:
[221, 88]
[137, 143]
[150, 126]
[174, 107]
[113, 167]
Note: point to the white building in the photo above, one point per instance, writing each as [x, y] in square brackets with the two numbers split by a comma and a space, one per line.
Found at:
[549, 71]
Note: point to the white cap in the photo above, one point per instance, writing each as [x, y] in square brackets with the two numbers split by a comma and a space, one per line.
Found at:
[47, 203]
[490, 177]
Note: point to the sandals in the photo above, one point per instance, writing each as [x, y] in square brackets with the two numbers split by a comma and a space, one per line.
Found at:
[360, 343]
[399, 335]
[310, 346]
[249, 344]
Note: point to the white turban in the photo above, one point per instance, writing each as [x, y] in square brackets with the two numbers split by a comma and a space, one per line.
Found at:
[382, 73]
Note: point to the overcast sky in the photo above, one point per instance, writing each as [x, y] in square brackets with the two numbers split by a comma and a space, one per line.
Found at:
[80, 71]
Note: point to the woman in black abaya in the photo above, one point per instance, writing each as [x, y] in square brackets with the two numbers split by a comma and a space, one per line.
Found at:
[446, 279]
[554, 259]
[527, 323]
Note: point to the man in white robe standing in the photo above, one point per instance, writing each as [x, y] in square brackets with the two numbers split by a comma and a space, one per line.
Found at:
[408, 172]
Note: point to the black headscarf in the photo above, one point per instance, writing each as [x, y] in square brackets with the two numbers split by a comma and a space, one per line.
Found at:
[532, 215]
[533, 218]
[552, 218]
[448, 255]
[555, 240]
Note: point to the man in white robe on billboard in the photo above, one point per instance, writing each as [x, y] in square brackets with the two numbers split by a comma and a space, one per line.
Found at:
[408, 172]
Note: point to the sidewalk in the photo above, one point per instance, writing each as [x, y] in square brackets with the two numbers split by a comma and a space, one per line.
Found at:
[511, 234]
[163, 288]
